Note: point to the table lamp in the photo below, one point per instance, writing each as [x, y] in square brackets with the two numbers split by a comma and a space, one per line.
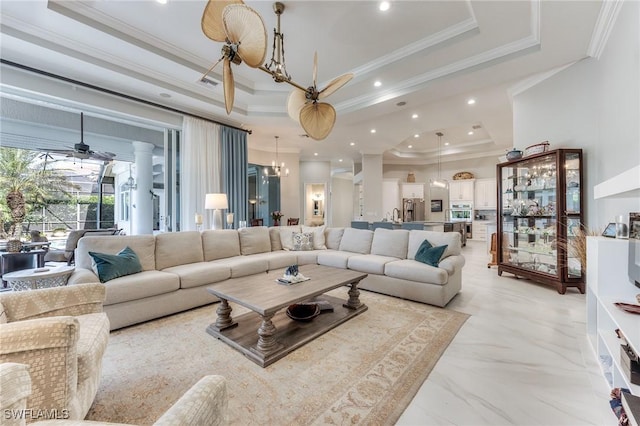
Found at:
[216, 202]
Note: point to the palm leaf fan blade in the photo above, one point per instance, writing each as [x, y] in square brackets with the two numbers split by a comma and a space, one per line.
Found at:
[335, 84]
[211, 22]
[244, 27]
[317, 119]
[229, 88]
[295, 102]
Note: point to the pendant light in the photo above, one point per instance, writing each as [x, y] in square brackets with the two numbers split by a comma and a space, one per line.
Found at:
[439, 182]
[277, 168]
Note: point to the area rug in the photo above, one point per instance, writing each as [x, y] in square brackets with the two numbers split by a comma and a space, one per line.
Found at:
[365, 371]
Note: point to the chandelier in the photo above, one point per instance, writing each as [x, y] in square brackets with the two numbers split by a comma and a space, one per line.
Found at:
[439, 182]
[277, 168]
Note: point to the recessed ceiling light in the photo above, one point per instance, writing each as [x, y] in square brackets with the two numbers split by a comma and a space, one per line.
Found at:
[162, 1]
[409, 146]
[446, 144]
[352, 143]
[384, 6]
[470, 132]
[373, 130]
[471, 101]
[414, 116]
[340, 160]
[315, 153]
[377, 84]
[416, 135]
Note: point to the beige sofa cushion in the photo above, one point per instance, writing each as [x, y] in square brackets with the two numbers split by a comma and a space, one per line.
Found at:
[390, 242]
[277, 259]
[286, 236]
[412, 270]
[334, 258]
[254, 240]
[201, 273]
[220, 244]
[241, 266]
[141, 285]
[274, 236]
[318, 236]
[143, 245]
[451, 239]
[332, 237]
[369, 263]
[178, 248]
[356, 240]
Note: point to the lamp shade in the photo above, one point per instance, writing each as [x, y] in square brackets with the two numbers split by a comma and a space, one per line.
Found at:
[216, 201]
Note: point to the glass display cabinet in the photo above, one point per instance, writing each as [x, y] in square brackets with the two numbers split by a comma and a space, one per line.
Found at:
[540, 216]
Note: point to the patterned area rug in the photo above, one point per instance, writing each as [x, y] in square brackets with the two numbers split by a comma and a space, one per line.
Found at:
[365, 371]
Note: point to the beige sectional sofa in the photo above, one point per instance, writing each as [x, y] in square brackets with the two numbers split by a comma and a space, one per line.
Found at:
[178, 267]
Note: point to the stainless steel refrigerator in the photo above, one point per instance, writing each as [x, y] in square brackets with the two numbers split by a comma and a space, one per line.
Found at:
[413, 210]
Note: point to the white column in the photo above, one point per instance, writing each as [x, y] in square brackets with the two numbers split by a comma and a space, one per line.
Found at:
[142, 214]
[372, 187]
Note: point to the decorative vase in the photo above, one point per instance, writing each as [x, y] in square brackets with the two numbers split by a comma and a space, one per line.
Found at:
[276, 222]
[14, 246]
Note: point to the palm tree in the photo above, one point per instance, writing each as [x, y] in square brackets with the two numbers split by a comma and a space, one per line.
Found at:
[25, 183]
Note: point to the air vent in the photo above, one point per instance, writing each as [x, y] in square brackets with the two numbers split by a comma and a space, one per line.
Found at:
[208, 82]
[476, 127]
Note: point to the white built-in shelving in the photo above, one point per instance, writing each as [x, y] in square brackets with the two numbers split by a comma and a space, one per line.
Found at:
[607, 283]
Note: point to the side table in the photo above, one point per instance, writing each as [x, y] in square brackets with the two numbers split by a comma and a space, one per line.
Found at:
[32, 279]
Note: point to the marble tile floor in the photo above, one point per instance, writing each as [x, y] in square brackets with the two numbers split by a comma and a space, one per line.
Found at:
[522, 358]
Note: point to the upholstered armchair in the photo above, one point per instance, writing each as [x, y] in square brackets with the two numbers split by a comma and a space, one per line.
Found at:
[61, 334]
[204, 404]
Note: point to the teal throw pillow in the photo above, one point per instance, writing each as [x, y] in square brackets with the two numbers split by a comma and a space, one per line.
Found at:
[110, 266]
[429, 254]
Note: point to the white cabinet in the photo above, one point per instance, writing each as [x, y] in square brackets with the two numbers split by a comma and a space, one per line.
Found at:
[479, 230]
[607, 283]
[413, 190]
[486, 194]
[461, 190]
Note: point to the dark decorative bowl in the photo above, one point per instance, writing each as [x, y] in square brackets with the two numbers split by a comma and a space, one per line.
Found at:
[514, 155]
[303, 312]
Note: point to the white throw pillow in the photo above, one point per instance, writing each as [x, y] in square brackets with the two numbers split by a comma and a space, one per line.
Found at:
[286, 236]
[318, 236]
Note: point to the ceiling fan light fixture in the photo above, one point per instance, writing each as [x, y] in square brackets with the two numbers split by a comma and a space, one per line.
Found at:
[277, 66]
[384, 6]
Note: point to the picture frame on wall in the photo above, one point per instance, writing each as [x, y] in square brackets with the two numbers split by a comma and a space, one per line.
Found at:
[436, 205]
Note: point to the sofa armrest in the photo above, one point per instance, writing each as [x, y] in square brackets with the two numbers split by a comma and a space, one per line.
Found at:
[71, 300]
[82, 276]
[15, 388]
[452, 263]
[204, 404]
[49, 347]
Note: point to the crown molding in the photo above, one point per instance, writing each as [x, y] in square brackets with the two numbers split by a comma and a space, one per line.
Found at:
[604, 24]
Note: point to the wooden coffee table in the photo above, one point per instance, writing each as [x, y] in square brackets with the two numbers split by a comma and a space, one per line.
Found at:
[266, 335]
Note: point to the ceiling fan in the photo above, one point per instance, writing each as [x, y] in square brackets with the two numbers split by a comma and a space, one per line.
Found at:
[81, 150]
[243, 31]
[245, 37]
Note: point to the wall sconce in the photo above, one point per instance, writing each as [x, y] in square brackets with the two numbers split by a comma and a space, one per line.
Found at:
[216, 202]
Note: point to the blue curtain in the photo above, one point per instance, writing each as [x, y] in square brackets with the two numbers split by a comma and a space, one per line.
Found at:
[235, 179]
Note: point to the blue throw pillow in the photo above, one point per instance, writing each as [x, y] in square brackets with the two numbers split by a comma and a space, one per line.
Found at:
[429, 254]
[110, 266]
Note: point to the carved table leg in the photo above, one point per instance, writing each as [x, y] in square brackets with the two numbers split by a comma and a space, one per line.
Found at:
[224, 319]
[267, 341]
[354, 300]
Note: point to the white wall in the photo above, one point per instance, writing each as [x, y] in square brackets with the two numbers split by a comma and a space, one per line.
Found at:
[593, 105]
[342, 195]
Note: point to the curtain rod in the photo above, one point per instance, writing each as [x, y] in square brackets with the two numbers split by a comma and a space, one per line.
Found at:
[112, 92]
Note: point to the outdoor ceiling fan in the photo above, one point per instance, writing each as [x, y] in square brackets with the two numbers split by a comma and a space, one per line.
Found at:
[243, 31]
[81, 150]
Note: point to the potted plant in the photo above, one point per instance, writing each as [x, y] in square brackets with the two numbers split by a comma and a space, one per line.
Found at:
[276, 216]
